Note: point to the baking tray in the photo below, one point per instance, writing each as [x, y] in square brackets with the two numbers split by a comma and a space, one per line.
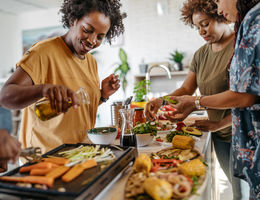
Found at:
[96, 177]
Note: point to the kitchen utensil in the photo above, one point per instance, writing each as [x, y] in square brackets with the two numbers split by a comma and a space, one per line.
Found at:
[32, 154]
[89, 184]
[116, 119]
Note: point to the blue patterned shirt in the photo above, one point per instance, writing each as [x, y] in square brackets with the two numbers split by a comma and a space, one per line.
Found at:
[245, 78]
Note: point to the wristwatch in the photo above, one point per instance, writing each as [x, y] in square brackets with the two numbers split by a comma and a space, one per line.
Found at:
[103, 99]
[197, 103]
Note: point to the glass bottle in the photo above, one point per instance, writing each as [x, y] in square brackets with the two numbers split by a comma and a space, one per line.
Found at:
[127, 136]
[44, 111]
[139, 116]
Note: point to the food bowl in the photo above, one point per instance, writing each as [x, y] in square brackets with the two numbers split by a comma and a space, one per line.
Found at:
[143, 139]
[102, 135]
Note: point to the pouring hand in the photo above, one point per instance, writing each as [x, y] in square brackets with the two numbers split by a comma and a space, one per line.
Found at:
[59, 97]
[110, 85]
[152, 108]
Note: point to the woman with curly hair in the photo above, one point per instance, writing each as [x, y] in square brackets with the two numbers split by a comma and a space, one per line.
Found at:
[244, 93]
[55, 68]
[209, 73]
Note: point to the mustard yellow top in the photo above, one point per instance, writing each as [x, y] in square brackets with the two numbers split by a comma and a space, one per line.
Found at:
[51, 61]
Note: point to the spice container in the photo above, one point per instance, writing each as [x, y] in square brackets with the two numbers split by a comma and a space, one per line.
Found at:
[139, 116]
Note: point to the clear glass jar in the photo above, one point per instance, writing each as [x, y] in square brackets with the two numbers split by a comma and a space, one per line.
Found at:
[139, 116]
[44, 111]
[127, 136]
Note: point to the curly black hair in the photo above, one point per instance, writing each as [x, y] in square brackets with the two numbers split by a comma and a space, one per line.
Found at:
[76, 9]
[207, 7]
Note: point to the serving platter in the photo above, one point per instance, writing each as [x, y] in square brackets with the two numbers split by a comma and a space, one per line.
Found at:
[86, 186]
[181, 167]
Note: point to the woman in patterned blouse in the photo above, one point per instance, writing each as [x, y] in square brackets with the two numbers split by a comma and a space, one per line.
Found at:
[244, 93]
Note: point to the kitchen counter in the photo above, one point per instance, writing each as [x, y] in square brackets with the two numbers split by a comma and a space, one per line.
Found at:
[115, 190]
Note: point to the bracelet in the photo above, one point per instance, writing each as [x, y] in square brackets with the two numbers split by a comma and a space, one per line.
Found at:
[197, 103]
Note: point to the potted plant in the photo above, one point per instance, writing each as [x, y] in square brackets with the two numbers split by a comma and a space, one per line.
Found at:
[177, 57]
[140, 93]
[123, 68]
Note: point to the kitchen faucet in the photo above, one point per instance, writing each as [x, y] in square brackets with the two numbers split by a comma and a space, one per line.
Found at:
[147, 75]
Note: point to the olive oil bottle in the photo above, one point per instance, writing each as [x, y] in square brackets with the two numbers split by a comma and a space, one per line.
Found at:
[44, 111]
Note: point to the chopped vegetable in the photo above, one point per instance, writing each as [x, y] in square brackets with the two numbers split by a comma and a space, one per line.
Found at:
[40, 172]
[77, 170]
[88, 152]
[57, 160]
[30, 179]
[179, 126]
[57, 172]
[160, 164]
[171, 135]
[147, 127]
[41, 165]
[170, 100]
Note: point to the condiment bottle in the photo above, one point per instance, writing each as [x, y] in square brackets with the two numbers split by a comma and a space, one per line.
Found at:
[127, 138]
[139, 116]
[44, 111]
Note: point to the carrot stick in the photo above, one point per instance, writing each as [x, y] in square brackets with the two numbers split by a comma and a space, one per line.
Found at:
[77, 170]
[74, 172]
[30, 179]
[89, 163]
[56, 160]
[57, 172]
[41, 165]
[40, 172]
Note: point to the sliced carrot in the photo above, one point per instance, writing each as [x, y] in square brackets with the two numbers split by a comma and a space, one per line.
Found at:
[30, 179]
[56, 160]
[89, 163]
[74, 172]
[57, 172]
[40, 172]
[41, 165]
[77, 170]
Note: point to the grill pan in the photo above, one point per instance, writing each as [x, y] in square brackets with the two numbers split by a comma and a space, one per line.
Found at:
[97, 178]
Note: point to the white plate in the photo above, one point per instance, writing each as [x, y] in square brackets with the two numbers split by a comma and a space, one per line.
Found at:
[163, 132]
[165, 143]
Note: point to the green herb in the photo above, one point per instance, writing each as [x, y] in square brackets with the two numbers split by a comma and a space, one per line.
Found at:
[142, 197]
[170, 135]
[140, 90]
[144, 128]
[195, 185]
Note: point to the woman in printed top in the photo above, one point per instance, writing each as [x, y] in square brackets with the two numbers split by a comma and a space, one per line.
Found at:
[209, 73]
[55, 68]
[244, 93]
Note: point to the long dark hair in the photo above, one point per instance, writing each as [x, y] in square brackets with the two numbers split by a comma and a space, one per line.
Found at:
[243, 6]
